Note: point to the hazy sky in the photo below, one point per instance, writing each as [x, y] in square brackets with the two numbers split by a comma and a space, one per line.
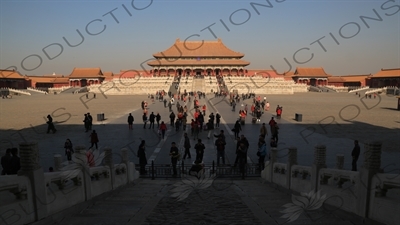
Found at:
[121, 35]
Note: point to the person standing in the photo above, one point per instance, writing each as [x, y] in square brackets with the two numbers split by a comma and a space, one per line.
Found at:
[163, 128]
[187, 146]
[220, 144]
[68, 149]
[130, 121]
[158, 118]
[272, 123]
[50, 126]
[199, 150]
[172, 118]
[94, 139]
[165, 103]
[15, 164]
[261, 153]
[144, 117]
[5, 162]
[263, 131]
[237, 128]
[174, 154]
[217, 119]
[196, 128]
[242, 156]
[355, 154]
[86, 122]
[142, 157]
[184, 121]
[152, 117]
[274, 132]
[90, 121]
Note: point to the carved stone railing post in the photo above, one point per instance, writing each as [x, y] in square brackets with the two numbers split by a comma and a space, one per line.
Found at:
[270, 164]
[30, 167]
[372, 164]
[108, 161]
[81, 159]
[125, 160]
[339, 161]
[292, 160]
[57, 162]
[319, 163]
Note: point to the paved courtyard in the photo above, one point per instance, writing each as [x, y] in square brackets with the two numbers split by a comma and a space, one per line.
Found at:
[333, 119]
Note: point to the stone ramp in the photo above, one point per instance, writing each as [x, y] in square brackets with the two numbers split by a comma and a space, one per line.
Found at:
[223, 201]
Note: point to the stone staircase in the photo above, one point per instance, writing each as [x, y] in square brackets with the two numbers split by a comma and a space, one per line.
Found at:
[198, 85]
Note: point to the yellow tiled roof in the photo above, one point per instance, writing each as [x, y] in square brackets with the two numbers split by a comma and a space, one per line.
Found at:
[387, 73]
[198, 49]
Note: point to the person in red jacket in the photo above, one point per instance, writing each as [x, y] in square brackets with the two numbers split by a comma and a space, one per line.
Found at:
[204, 109]
[163, 128]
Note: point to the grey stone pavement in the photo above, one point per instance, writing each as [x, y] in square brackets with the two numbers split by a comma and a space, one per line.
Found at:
[226, 201]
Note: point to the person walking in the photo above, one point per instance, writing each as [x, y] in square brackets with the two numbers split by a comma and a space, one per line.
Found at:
[220, 144]
[94, 139]
[130, 121]
[163, 128]
[196, 128]
[355, 154]
[174, 154]
[187, 146]
[263, 131]
[50, 124]
[158, 118]
[68, 149]
[152, 118]
[199, 150]
[261, 153]
[142, 157]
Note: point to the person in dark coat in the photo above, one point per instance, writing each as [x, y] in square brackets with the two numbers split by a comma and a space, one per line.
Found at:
[68, 149]
[142, 157]
[130, 121]
[144, 117]
[152, 117]
[15, 163]
[158, 118]
[50, 126]
[174, 154]
[86, 122]
[217, 119]
[237, 128]
[94, 139]
[187, 146]
[90, 121]
[6, 162]
[199, 150]
[172, 118]
[355, 154]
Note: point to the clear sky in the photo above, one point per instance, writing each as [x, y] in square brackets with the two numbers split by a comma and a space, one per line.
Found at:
[266, 35]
